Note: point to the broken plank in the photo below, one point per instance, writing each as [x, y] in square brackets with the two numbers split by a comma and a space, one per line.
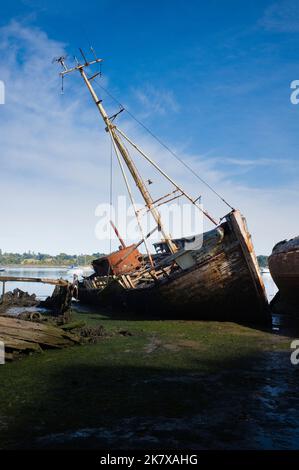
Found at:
[11, 322]
[40, 337]
[18, 344]
[43, 280]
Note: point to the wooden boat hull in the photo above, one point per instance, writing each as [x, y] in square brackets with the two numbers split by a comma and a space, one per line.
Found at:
[223, 284]
[284, 269]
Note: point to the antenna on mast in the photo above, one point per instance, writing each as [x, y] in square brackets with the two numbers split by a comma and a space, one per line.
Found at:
[100, 67]
[61, 60]
[83, 55]
[93, 52]
[78, 66]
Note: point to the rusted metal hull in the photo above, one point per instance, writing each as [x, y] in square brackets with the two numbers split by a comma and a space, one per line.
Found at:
[122, 261]
[284, 269]
[223, 283]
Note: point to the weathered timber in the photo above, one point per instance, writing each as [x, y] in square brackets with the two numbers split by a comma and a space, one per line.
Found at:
[73, 325]
[14, 344]
[60, 300]
[21, 336]
[43, 280]
[41, 337]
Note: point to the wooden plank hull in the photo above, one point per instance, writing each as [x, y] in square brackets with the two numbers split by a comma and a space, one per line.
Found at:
[284, 269]
[224, 283]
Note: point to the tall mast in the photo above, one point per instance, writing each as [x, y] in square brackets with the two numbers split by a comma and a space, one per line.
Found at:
[124, 153]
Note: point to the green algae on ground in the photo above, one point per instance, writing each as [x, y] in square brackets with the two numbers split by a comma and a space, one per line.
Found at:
[170, 369]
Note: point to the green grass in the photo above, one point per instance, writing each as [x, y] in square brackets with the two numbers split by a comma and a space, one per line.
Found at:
[143, 375]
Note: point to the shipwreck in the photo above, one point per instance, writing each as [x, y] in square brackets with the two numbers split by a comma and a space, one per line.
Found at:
[218, 279]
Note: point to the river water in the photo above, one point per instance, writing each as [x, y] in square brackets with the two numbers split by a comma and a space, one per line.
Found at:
[41, 290]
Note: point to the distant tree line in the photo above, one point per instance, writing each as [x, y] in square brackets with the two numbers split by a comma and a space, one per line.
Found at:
[62, 259]
[263, 261]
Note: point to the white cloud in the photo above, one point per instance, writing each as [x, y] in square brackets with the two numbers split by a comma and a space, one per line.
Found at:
[156, 101]
[267, 162]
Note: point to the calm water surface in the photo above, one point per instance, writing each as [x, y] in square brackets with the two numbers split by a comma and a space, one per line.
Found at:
[270, 286]
[41, 290]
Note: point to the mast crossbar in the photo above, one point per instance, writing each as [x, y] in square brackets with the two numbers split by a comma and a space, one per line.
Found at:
[79, 67]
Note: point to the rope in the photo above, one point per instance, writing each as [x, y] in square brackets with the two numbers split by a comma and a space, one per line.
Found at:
[165, 146]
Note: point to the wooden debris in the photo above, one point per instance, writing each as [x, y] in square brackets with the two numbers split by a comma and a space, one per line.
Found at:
[73, 325]
[60, 300]
[43, 280]
[21, 336]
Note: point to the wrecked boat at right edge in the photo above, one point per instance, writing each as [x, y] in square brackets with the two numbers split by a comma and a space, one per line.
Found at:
[284, 269]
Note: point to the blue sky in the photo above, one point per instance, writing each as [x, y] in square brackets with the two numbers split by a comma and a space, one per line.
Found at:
[212, 79]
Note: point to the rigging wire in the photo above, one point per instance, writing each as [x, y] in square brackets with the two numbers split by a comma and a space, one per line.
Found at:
[165, 146]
